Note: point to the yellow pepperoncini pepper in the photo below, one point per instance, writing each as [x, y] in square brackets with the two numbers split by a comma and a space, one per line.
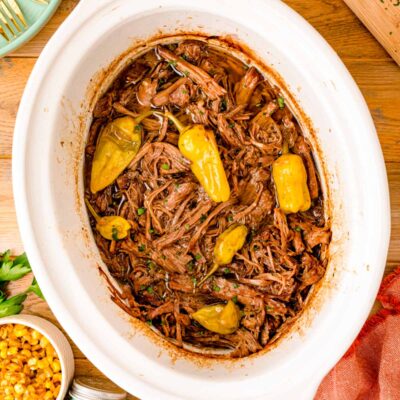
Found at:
[117, 145]
[112, 227]
[290, 179]
[199, 146]
[219, 318]
[228, 243]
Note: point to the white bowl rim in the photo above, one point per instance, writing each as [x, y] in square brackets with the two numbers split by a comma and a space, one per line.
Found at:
[42, 325]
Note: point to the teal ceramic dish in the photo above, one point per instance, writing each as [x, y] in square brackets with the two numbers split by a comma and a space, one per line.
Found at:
[36, 15]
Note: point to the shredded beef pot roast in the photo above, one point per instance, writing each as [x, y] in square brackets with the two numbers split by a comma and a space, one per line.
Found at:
[174, 224]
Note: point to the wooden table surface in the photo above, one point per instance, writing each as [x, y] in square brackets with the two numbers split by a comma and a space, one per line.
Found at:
[374, 71]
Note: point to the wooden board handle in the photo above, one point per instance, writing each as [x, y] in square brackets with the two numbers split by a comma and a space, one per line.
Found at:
[382, 18]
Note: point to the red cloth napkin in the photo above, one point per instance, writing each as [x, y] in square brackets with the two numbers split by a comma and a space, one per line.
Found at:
[370, 370]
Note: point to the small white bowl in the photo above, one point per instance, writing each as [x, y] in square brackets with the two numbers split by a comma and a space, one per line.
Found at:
[58, 341]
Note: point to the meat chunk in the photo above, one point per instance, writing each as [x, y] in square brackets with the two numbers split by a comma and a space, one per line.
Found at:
[196, 74]
[174, 93]
[189, 50]
[146, 91]
[246, 86]
[303, 149]
[103, 107]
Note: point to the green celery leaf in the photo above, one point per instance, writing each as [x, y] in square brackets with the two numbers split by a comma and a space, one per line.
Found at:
[34, 288]
[13, 270]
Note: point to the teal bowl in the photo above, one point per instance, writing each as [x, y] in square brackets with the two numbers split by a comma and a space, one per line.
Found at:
[36, 15]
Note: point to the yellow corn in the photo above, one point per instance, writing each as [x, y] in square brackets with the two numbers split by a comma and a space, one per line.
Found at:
[29, 365]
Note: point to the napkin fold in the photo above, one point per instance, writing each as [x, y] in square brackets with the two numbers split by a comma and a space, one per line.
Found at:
[370, 370]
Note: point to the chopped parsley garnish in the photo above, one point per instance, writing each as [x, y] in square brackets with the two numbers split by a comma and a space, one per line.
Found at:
[231, 125]
[235, 285]
[141, 211]
[281, 102]
[165, 166]
[141, 247]
[194, 280]
[187, 227]
[203, 217]
[114, 233]
[138, 128]
[197, 257]
[216, 288]
[230, 218]
[172, 63]
[255, 248]
[184, 91]
[150, 264]
[186, 73]
[268, 308]
[297, 229]
[142, 287]
[151, 230]
[150, 290]
[190, 266]
[227, 271]
[177, 185]
[201, 112]
[185, 57]
[161, 81]
[223, 105]
[235, 299]
[149, 322]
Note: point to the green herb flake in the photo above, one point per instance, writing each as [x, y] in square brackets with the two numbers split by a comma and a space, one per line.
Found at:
[201, 112]
[150, 290]
[190, 266]
[281, 102]
[187, 227]
[114, 233]
[186, 73]
[142, 287]
[259, 105]
[216, 288]
[230, 218]
[150, 264]
[235, 285]
[141, 247]
[151, 231]
[203, 217]
[184, 91]
[172, 63]
[231, 125]
[165, 166]
[227, 271]
[297, 229]
[161, 81]
[141, 211]
[149, 322]
[138, 128]
[194, 280]
[235, 299]
[197, 257]
[255, 248]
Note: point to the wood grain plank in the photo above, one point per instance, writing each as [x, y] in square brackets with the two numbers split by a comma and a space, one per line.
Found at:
[340, 28]
[382, 18]
[14, 72]
[379, 82]
[330, 17]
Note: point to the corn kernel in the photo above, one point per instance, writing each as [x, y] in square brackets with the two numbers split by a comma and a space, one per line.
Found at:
[29, 365]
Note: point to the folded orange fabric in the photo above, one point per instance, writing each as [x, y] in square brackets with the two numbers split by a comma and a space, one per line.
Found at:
[370, 370]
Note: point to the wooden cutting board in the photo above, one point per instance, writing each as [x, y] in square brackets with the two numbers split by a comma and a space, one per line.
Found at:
[382, 18]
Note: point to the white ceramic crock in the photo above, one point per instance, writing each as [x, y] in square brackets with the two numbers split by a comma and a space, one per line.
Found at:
[48, 193]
